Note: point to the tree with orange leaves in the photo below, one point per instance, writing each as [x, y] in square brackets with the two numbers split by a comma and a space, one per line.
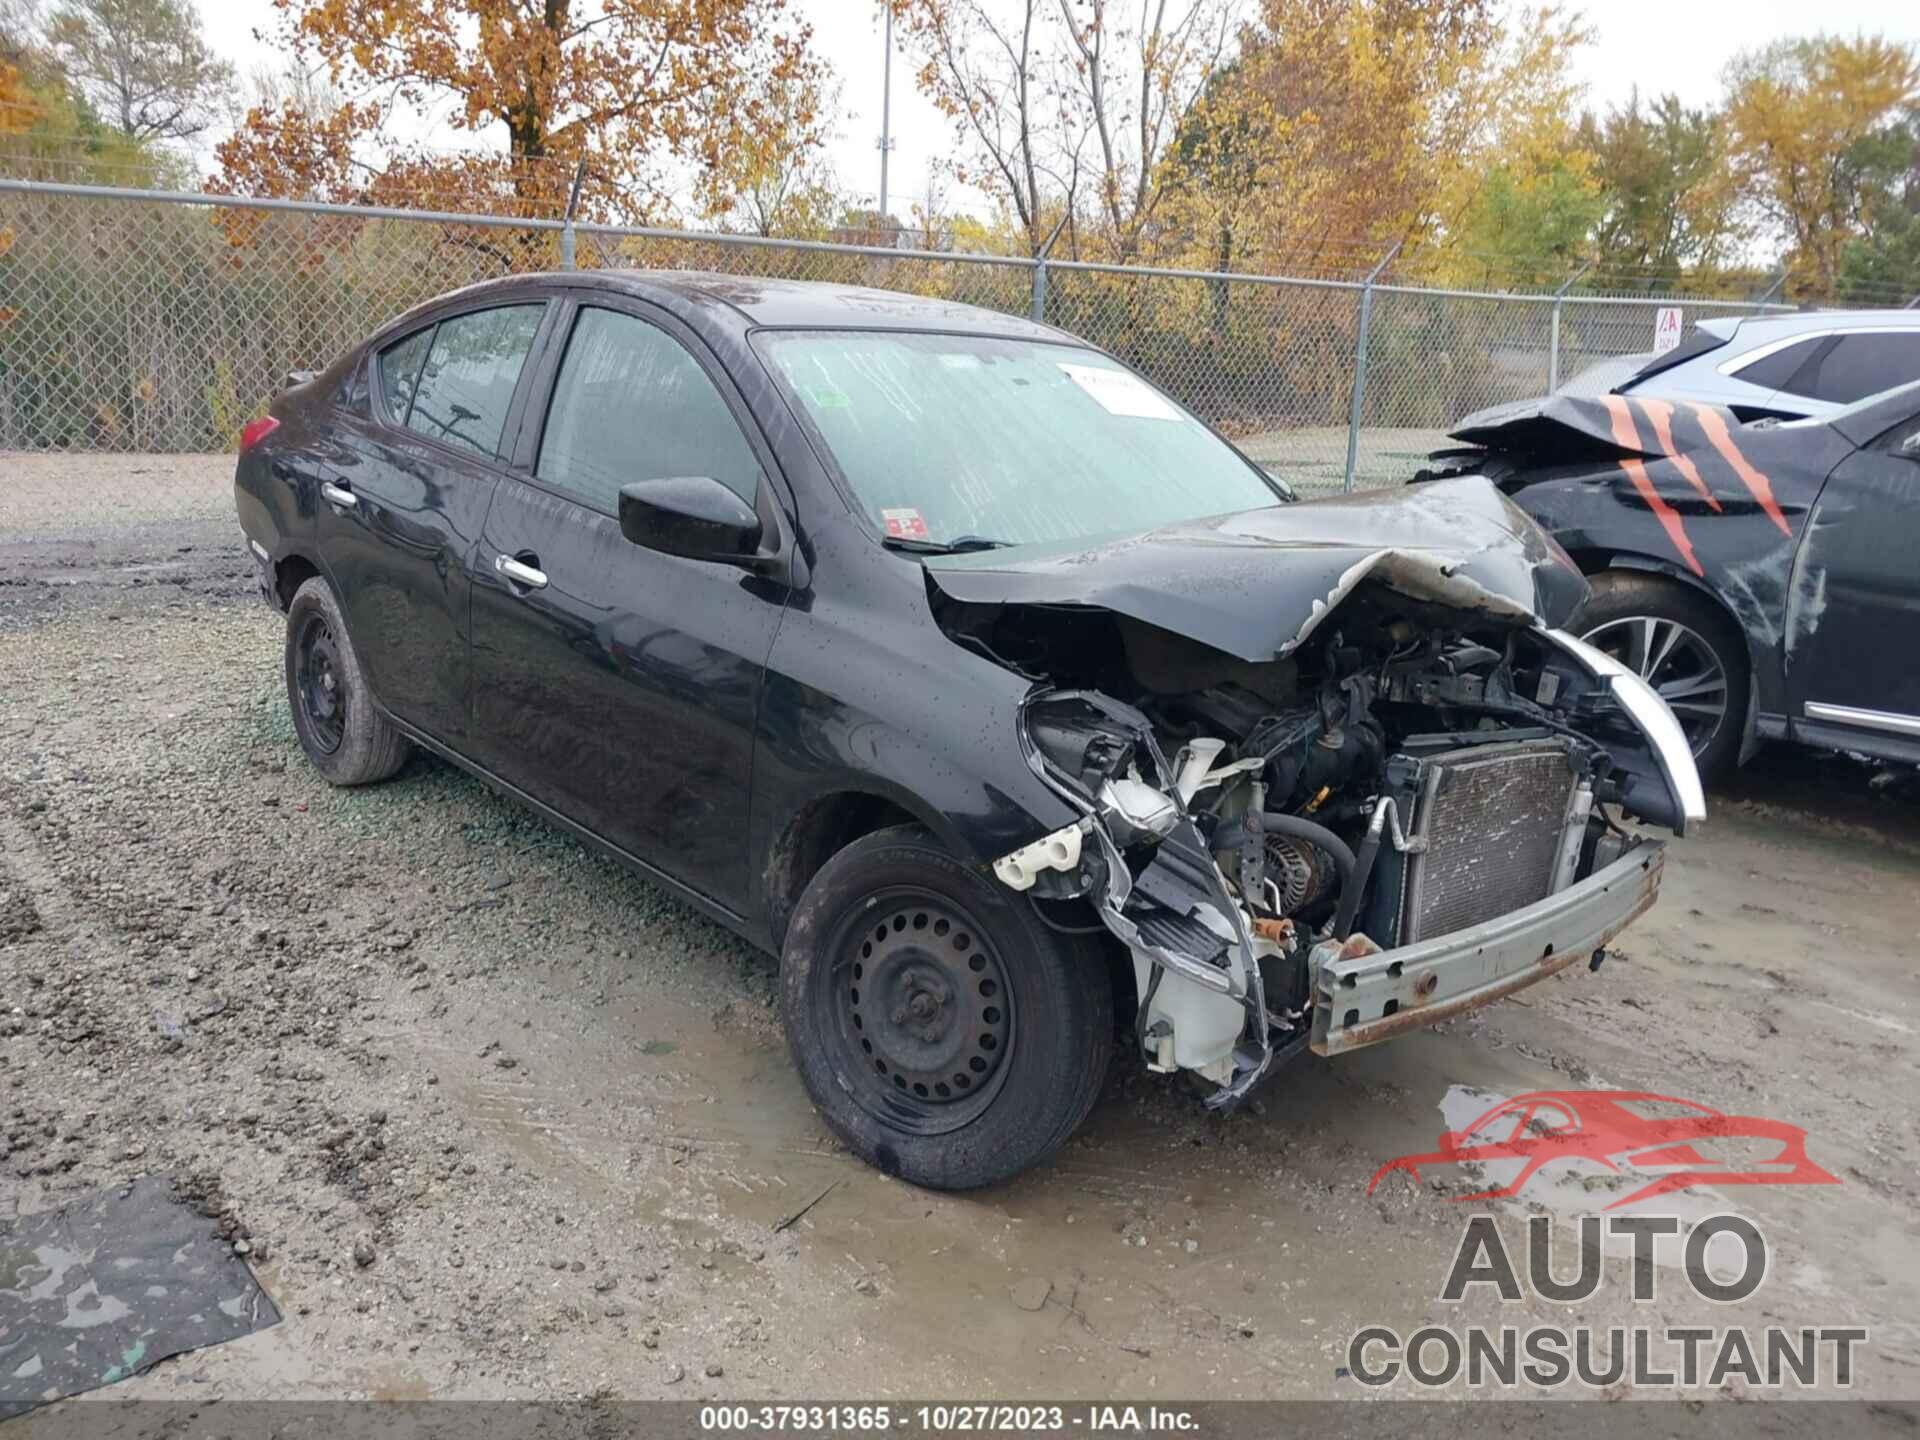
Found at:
[647, 95]
[1805, 117]
[18, 107]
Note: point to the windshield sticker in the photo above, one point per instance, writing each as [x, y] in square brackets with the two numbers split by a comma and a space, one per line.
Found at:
[960, 361]
[1121, 393]
[904, 523]
[828, 398]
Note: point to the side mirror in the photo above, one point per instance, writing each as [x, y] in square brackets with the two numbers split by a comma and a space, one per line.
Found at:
[694, 516]
[1909, 448]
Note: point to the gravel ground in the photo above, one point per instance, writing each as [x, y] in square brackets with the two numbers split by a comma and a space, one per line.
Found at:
[495, 1118]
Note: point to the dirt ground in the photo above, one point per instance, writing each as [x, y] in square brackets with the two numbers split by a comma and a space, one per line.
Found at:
[496, 1118]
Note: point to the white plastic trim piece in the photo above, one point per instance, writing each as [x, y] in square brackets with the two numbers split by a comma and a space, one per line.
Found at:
[1058, 851]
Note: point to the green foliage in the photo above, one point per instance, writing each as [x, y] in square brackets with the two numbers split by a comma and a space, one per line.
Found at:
[143, 63]
[64, 137]
[225, 415]
[1669, 202]
[1882, 263]
[1528, 226]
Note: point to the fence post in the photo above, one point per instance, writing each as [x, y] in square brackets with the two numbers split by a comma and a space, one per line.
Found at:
[1553, 336]
[1360, 362]
[573, 202]
[1037, 310]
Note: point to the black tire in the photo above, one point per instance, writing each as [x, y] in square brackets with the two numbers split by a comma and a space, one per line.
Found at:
[918, 1074]
[347, 739]
[1621, 597]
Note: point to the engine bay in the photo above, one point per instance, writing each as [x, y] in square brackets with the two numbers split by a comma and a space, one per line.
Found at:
[1410, 771]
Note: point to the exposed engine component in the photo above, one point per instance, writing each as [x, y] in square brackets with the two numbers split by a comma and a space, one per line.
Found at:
[1301, 873]
[1392, 783]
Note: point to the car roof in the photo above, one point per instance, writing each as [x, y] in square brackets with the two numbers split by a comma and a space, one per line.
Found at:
[748, 302]
[1761, 328]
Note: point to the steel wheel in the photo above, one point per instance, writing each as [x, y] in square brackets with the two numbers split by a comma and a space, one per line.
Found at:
[321, 682]
[922, 1014]
[1679, 663]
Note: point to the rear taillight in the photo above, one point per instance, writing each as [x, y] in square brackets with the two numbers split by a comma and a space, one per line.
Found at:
[256, 431]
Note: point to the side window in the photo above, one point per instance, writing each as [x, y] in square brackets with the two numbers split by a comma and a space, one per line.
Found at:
[631, 404]
[1772, 372]
[468, 380]
[1861, 365]
[399, 366]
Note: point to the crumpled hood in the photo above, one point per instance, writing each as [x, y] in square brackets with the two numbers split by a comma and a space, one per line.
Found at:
[1572, 427]
[1258, 583]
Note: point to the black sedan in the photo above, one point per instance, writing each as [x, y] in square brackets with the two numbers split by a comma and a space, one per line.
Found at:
[1761, 577]
[946, 658]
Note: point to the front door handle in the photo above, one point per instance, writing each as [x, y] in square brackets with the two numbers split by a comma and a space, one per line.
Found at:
[521, 574]
[336, 494]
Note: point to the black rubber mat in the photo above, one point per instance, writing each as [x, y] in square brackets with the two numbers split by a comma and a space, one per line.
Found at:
[110, 1285]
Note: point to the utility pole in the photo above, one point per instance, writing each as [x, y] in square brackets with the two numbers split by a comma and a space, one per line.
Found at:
[886, 110]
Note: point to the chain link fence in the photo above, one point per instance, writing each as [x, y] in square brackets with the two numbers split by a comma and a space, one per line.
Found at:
[135, 321]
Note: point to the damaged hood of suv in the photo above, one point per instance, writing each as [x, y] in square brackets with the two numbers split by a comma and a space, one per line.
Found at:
[1256, 584]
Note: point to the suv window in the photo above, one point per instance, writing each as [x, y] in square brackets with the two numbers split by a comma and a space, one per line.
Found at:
[467, 383]
[1860, 365]
[632, 404]
[1772, 372]
[400, 366]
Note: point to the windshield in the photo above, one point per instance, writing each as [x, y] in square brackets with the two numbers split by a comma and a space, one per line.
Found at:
[967, 440]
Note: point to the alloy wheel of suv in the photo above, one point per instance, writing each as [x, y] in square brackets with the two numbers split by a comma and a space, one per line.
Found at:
[1679, 664]
[1676, 639]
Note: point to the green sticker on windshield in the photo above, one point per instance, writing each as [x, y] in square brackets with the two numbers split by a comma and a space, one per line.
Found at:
[828, 398]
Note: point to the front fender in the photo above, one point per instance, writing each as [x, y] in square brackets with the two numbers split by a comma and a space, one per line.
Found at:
[895, 710]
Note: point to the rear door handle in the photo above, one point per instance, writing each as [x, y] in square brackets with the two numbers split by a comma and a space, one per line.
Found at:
[336, 494]
[523, 575]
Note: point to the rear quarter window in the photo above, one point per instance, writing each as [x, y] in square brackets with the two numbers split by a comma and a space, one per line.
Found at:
[1857, 366]
[399, 367]
[1772, 372]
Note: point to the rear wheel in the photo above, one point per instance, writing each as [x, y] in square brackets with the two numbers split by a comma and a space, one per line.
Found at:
[345, 737]
[1680, 643]
[945, 1034]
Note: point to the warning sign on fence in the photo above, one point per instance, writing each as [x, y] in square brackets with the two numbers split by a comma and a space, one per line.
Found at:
[1666, 329]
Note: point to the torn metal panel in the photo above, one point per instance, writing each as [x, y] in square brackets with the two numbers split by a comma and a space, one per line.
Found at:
[1568, 426]
[1255, 585]
[110, 1285]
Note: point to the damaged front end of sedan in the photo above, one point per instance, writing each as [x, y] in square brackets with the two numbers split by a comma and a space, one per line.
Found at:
[1339, 774]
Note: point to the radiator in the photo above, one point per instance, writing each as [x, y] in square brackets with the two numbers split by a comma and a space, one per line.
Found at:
[1493, 817]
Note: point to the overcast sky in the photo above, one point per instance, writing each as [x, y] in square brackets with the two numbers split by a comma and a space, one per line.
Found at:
[1658, 45]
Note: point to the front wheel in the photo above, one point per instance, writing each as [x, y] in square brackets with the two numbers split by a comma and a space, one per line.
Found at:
[945, 1034]
[1680, 643]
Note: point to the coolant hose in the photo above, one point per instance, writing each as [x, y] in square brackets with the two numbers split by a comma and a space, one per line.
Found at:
[1303, 829]
[1362, 872]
